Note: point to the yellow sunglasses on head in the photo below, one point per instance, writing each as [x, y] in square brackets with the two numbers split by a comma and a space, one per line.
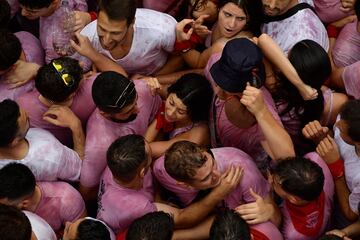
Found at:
[67, 78]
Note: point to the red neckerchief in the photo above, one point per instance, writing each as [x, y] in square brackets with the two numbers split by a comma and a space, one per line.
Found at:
[122, 235]
[257, 235]
[308, 219]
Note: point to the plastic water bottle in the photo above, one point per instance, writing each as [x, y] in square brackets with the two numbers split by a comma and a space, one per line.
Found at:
[63, 30]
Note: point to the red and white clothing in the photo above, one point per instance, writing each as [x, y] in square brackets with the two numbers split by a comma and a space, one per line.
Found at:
[59, 203]
[309, 222]
[47, 158]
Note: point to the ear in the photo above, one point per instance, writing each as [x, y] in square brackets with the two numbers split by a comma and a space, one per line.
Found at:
[293, 199]
[142, 172]
[25, 204]
[104, 114]
[15, 141]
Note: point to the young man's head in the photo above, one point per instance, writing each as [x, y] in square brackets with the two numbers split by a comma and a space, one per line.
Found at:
[152, 226]
[14, 123]
[129, 159]
[277, 7]
[14, 225]
[17, 185]
[115, 96]
[10, 50]
[33, 9]
[297, 179]
[58, 80]
[192, 165]
[349, 123]
[115, 18]
[228, 225]
[86, 229]
[240, 63]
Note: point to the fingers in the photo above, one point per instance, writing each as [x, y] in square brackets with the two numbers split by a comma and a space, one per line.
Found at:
[200, 20]
[255, 195]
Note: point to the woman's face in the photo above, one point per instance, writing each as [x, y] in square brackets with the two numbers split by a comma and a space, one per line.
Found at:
[204, 7]
[232, 19]
[175, 110]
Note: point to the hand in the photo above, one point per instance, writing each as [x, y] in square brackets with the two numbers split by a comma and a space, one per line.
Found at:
[255, 212]
[83, 45]
[154, 85]
[62, 116]
[20, 73]
[314, 131]
[342, 22]
[338, 233]
[201, 29]
[328, 150]
[307, 92]
[181, 35]
[347, 5]
[230, 180]
[253, 100]
[81, 20]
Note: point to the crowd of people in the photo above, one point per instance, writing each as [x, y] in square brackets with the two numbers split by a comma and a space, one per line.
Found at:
[179, 119]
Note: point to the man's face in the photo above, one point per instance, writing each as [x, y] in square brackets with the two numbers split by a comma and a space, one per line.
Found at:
[274, 181]
[111, 33]
[276, 7]
[207, 176]
[33, 14]
[127, 114]
[344, 129]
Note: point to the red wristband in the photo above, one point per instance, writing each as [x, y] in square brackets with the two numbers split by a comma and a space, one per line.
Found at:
[332, 31]
[93, 16]
[337, 168]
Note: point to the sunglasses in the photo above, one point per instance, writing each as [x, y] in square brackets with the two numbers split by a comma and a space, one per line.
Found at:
[67, 78]
[124, 96]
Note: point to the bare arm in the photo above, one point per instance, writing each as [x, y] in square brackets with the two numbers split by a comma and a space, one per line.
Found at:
[200, 231]
[173, 77]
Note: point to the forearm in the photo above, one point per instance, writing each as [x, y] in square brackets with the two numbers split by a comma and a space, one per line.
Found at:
[78, 138]
[275, 135]
[200, 231]
[103, 63]
[237, 113]
[342, 194]
[151, 132]
[352, 230]
[173, 77]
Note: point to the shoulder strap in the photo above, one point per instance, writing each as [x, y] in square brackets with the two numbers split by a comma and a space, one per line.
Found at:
[289, 13]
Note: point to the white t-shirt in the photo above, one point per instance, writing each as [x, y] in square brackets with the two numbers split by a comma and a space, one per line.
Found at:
[47, 158]
[154, 37]
[40, 227]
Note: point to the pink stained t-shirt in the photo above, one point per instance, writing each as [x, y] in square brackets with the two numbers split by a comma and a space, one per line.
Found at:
[351, 81]
[171, 7]
[153, 40]
[33, 53]
[224, 157]
[268, 229]
[83, 106]
[101, 132]
[288, 229]
[120, 206]
[249, 139]
[329, 10]
[47, 158]
[51, 23]
[40, 227]
[59, 203]
[302, 25]
[346, 50]
[352, 169]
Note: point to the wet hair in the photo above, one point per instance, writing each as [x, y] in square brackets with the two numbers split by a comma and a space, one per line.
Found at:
[108, 87]
[350, 113]
[228, 225]
[9, 114]
[90, 229]
[14, 225]
[253, 11]
[17, 182]
[51, 85]
[195, 91]
[300, 177]
[330, 237]
[125, 156]
[152, 226]
[119, 10]
[183, 159]
[36, 4]
[10, 49]
[5, 14]
[313, 65]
